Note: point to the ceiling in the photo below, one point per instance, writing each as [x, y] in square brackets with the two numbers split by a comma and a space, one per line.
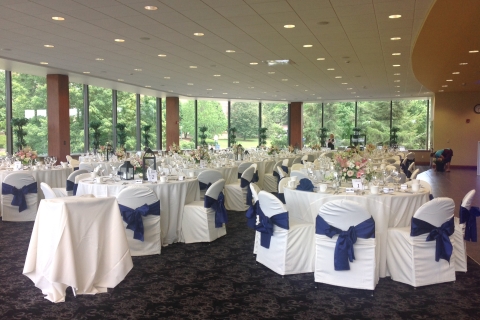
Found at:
[353, 37]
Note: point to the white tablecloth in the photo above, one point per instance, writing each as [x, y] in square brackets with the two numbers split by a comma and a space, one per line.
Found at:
[78, 242]
[388, 211]
[105, 165]
[173, 196]
[230, 174]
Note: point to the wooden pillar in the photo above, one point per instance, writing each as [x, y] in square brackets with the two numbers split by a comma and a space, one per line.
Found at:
[296, 124]
[58, 105]
[173, 120]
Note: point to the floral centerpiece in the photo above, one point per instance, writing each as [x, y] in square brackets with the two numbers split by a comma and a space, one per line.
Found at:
[352, 165]
[120, 153]
[238, 149]
[291, 149]
[136, 162]
[26, 155]
[174, 148]
[370, 148]
[273, 150]
[316, 147]
[200, 154]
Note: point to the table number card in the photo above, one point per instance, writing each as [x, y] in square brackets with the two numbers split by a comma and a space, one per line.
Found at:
[139, 181]
[152, 176]
[350, 190]
[202, 163]
[17, 165]
[357, 184]
[403, 187]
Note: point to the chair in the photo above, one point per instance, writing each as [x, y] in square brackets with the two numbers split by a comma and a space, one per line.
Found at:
[411, 156]
[82, 176]
[237, 195]
[252, 214]
[283, 240]
[71, 188]
[414, 174]
[336, 220]
[328, 154]
[299, 174]
[285, 162]
[281, 189]
[207, 177]
[242, 167]
[89, 167]
[412, 258]
[282, 174]
[204, 221]
[304, 158]
[140, 209]
[465, 224]
[47, 191]
[297, 167]
[391, 160]
[255, 174]
[297, 160]
[19, 197]
[270, 180]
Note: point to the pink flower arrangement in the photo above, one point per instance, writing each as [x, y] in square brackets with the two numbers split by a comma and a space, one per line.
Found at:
[26, 155]
[351, 165]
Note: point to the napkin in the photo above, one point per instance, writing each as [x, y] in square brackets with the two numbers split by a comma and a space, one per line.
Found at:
[305, 185]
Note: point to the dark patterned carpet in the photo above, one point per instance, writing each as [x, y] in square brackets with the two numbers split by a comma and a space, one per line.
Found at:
[221, 281]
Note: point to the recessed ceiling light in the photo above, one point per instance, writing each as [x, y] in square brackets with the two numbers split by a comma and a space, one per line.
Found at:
[137, 69]
[230, 51]
[319, 97]
[216, 75]
[48, 46]
[331, 69]
[440, 90]
[224, 93]
[463, 63]
[43, 62]
[190, 84]
[344, 82]
[251, 87]
[395, 16]
[449, 79]
[307, 45]
[119, 40]
[306, 90]
[397, 74]
[473, 51]
[198, 34]
[456, 72]
[397, 95]
[166, 77]
[236, 81]
[289, 26]
[445, 86]
[338, 77]
[58, 18]
[193, 67]
[397, 91]
[395, 38]
[148, 86]
[86, 72]
[396, 81]
[162, 55]
[253, 63]
[321, 59]
[396, 65]
[271, 72]
[284, 79]
[349, 88]
[99, 59]
[209, 89]
[120, 80]
[353, 92]
[396, 54]
[397, 86]
[151, 8]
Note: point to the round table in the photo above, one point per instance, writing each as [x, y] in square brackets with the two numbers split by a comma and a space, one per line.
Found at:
[230, 174]
[91, 165]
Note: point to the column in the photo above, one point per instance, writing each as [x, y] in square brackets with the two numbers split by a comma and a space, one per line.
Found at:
[296, 124]
[58, 105]
[173, 120]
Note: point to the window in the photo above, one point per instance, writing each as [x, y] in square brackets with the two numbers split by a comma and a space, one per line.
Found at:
[339, 119]
[275, 119]
[312, 123]
[29, 100]
[148, 116]
[410, 117]
[127, 114]
[187, 124]
[244, 117]
[373, 117]
[164, 125]
[100, 109]
[213, 115]
[77, 131]
[3, 115]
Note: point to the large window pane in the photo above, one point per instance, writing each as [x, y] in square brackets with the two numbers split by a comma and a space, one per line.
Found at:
[3, 115]
[213, 115]
[77, 131]
[187, 124]
[312, 122]
[410, 116]
[29, 100]
[275, 118]
[100, 109]
[148, 116]
[244, 117]
[373, 117]
[164, 125]
[127, 114]
[339, 119]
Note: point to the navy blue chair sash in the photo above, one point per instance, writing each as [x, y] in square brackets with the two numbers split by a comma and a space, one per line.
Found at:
[346, 239]
[265, 226]
[219, 207]
[245, 183]
[305, 185]
[281, 197]
[133, 217]
[252, 213]
[19, 194]
[285, 168]
[255, 177]
[469, 217]
[72, 186]
[443, 247]
[204, 186]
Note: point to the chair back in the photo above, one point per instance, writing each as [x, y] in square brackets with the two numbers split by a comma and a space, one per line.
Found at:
[411, 156]
[390, 167]
[390, 160]
[255, 190]
[82, 176]
[214, 190]
[436, 212]
[74, 163]
[403, 177]
[329, 154]
[343, 214]
[282, 184]
[248, 174]
[136, 196]
[254, 165]
[71, 176]
[467, 200]
[285, 162]
[69, 158]
[209, 176]
[89, 167]
[297, 166]
[277, 164]
[281, 173]
[414, 174]
[411, 168]
[243, 166]
[19, 179]
[297, 160]
[270, 204]
[299, 174]
[47, 191]
[305, 158]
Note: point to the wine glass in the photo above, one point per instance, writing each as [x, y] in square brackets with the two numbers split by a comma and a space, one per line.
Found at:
[396, 177]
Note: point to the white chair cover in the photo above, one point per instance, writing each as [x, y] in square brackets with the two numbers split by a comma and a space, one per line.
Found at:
[82, 176]
[297, 160]
[47, 191]
[198, 224]
[11, 212]
[411, 260]
[89, 167]
[255, 191]
[69, 158]
[206, 177]
[460, 247]
[411, 156]
[270, 181]
[243, 166]
[285, 162]
[290, 250]
[414, 174]
[363, 274]
[299, 174]
[74, 163]
[62, 192]
[235, 195]
[135, 197]
[297, 167]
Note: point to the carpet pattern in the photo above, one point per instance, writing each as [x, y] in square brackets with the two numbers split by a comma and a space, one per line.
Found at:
[222, 281]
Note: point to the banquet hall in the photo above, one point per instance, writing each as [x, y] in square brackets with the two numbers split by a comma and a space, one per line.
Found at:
[176, 74]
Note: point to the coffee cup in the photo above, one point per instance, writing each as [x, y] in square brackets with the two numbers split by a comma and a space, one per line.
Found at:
[415, 187]
[64, 164]
[180, 178]
[163, 178]
[191, 174]
[98, 180]
[323, 187]
[291, 184]
[374, 189]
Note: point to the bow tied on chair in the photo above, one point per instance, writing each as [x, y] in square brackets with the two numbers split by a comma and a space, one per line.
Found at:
[469, 217]
[19, 194]
[346, 239]
[244, 183]
[443, 246]
[204, 186]
[133, 217]
[265, 226]
[285, 168]
[72, 186]
[252, 213]
[255, 177]
[219, 207]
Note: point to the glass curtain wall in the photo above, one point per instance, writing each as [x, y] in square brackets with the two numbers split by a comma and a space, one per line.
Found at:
[164, 125]
[29, 100]
[275, 119]
[3, 115]
[148, 116]
[373, 117]
[410, 117]
[187, 124]
[127, 114]
[312, 122]
[213, 115]
[244, 117]
[77, 131]
[100, 109]
[339, 119]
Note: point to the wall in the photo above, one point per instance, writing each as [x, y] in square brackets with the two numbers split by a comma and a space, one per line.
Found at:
[450, 129]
